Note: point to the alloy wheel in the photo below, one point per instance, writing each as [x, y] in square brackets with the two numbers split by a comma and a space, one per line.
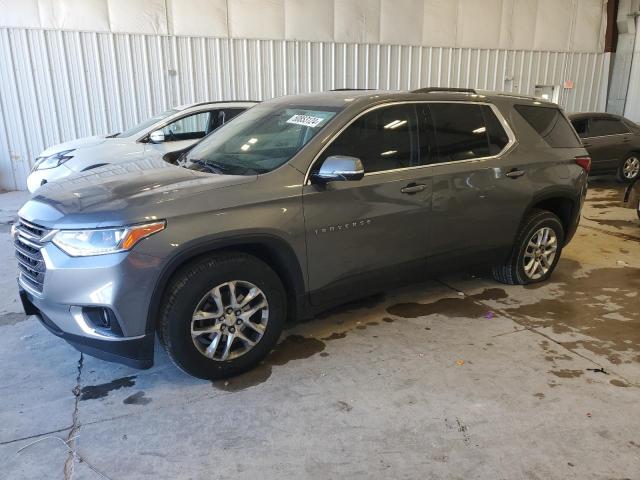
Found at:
[631, 168]
[229, 320]
[540, 253]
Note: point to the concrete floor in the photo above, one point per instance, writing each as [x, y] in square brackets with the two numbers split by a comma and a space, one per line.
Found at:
[457, 378]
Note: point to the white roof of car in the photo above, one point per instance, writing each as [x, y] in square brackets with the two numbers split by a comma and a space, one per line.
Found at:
[221, 102]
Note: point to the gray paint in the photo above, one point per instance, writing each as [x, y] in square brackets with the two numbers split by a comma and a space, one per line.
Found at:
[467, 207]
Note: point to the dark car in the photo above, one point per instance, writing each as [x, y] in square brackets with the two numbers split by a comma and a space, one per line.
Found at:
[612, 141]
[300, 203]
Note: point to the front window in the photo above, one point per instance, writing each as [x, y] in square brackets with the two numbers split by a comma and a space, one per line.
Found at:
[147, 123]
[191, 127]
[259, 140]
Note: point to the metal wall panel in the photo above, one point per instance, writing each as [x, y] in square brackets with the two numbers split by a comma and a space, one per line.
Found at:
[60, 85]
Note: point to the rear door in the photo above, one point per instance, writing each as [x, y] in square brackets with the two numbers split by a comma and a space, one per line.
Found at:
[480, 189]
[371, 233]
[607, 142]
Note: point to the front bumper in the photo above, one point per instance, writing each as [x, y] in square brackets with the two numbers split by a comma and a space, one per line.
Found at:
[136, 353]
[120, 283]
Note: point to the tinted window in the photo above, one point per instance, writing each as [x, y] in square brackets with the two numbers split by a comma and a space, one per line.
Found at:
[460, 130]
[384, 139]
[496, 134]
[220, 117]
[550, 124]
[606, 126]
[581, 127]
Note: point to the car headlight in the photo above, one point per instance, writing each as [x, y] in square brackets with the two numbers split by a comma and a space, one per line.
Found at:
[100, 241]
[52, 161]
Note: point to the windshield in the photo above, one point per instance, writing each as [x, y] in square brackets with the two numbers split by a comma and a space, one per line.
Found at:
[259, 140]
[147, 123]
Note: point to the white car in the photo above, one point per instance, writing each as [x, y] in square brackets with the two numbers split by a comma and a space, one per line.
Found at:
[171, 131]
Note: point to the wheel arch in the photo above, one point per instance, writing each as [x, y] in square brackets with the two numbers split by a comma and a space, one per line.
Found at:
[272, 250]
[562, 203]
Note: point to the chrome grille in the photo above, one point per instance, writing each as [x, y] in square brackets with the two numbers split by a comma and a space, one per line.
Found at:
[28, 242]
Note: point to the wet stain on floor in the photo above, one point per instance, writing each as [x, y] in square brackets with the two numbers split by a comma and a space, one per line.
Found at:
[293, 347]
[335, 336]
[598, 304]
[617, 224]
[12, 318]
[92, 392]
[618, 383]
[137, 398]
[461, 306]
[367, 302]
[566, 373]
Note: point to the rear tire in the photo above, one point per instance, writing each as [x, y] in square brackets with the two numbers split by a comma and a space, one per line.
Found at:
[540, 239]
[213, 298]
[629, 168]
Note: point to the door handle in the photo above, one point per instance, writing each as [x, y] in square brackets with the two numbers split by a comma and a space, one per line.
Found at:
[585, 145]
[413, 188]
[515, 173]
[626, 139]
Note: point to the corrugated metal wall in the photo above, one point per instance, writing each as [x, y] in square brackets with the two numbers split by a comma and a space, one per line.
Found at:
[59, 85]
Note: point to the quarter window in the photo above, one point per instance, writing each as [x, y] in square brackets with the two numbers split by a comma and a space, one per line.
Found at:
[383, 139]
[461, 132]
[498, 138]
[600, 126]
[550, 124]
[581, 127]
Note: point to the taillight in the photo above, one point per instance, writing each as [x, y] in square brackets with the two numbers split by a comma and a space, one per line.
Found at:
[584, 162]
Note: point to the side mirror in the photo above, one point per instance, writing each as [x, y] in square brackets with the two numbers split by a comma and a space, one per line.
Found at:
[157, 136]
[339, 168]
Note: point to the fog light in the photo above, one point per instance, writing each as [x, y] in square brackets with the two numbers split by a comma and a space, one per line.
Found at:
[102, 318]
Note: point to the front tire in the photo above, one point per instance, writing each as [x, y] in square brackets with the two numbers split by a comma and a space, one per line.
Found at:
[222, 315]
[629, 169]
[536, 250]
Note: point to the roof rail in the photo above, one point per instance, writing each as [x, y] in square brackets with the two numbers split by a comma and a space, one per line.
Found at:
[349, 89]
[444, 89]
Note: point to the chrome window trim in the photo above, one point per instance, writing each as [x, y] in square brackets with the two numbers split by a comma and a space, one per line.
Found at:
[610, 135]
[496, 111]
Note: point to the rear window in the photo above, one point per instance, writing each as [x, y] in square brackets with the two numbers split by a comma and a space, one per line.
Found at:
[461, 133]
[552, 126]
[601, 126]
[465, 131]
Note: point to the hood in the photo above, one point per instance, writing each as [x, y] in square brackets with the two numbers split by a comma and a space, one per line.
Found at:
[74, 144]
[124, 193]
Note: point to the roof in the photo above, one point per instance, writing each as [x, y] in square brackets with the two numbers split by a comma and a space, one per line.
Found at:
[218, 102]
[344, 97]
[579, 115]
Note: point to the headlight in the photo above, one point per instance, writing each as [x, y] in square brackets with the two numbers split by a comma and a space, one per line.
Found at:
[52, 161]
[99, 241]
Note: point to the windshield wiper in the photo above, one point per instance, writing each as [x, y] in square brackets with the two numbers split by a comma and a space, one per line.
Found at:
[210, 166]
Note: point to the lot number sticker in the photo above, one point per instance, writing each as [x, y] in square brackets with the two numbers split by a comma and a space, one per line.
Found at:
[305, 120]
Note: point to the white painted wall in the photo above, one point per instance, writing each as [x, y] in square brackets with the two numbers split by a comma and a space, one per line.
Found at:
[71, 68]
[556, 25]
[632, 105]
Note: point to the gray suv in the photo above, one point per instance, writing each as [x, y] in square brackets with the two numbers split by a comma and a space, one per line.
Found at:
[300, 203]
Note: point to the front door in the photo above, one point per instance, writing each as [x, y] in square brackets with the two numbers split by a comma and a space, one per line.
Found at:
[184, 132]
[371, 233]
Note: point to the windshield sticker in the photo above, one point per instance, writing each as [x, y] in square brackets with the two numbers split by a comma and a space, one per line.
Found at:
[305, 120]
